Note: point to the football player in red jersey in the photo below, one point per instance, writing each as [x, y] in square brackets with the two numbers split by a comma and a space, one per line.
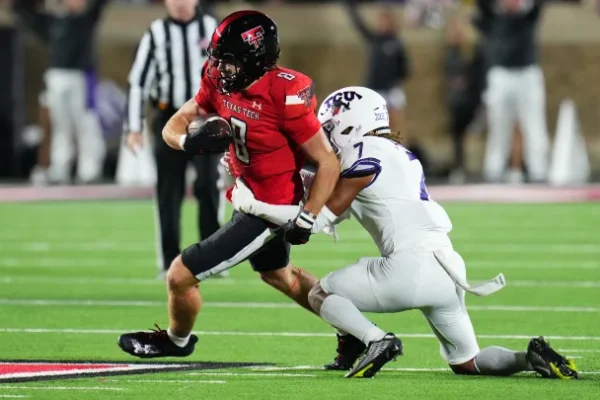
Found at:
[272, 113]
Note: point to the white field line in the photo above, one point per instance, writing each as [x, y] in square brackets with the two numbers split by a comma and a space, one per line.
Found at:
[578, 350]
[322, 262]
[163, 381]
[402, 369]
[266, 374]
[467, 232]
[78, 331]
[487, 248]
[61, 388]
[12, 396]
[51, 280]
[261, 305]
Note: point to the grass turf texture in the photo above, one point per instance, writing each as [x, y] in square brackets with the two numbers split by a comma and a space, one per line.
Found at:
[64, 254]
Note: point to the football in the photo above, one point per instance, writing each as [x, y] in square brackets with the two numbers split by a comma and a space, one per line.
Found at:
[212, 134]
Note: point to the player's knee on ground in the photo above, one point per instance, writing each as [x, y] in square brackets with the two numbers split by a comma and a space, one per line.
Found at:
[316, 297]
[179, 277]
[466, 368]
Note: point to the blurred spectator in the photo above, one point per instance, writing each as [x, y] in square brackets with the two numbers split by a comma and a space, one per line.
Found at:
[388, 65]
[515, 166]
[428, 13]
[465, 81]
[515, 85]
[39, 173]
[110, 108]
[70, 34]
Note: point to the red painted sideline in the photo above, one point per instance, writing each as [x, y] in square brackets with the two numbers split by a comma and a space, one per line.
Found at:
[16, 368]
[467, 193]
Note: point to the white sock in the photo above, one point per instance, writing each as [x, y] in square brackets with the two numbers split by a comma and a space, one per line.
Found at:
[374, 334]
[342, 314]
[179, 341]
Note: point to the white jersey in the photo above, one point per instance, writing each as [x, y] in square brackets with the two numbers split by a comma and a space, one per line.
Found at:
[395, 208]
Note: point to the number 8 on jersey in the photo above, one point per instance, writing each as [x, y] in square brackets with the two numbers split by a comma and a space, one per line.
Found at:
[240, 128]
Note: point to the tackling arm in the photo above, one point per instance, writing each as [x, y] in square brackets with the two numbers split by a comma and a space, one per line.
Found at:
[320, 152]
[334, 212]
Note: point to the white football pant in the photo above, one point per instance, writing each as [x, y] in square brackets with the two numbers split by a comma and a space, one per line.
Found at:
[516, 95]
[408, 280]
[72, 120]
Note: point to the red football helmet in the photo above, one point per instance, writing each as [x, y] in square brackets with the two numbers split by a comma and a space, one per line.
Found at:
[244, 46]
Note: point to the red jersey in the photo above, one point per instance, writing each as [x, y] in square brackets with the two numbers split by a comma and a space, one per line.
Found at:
[270, 120]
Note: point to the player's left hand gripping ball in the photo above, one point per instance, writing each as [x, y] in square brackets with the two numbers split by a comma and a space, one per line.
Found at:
[211, 136]
[298, 231]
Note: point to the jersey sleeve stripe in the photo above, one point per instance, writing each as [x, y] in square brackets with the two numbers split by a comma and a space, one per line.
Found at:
[293, 100]
[363, 167]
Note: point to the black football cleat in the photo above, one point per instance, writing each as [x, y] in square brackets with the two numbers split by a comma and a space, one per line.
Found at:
[378, 354]
[548, 363]
[348, 350]
[153, 344]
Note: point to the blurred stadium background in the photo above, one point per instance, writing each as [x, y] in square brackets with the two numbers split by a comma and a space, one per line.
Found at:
[73, 274]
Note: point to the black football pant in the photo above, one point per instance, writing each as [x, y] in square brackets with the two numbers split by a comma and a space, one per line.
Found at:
[171, 166]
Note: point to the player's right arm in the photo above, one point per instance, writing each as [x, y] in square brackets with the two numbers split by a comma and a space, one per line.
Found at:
[302, 126]
[175, 131]
[319, 150]
[244, 201]
[357, 172]
[334, 212]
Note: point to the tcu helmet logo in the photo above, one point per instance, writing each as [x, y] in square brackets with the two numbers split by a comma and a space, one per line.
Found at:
[341, 100]
[254, 36]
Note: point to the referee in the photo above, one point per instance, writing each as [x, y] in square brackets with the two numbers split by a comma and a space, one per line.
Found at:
[167, 71]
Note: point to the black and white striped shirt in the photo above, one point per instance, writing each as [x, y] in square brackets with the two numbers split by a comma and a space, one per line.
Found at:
[168, 65]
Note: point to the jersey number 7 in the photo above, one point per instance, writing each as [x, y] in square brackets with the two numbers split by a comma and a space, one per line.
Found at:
[240, 129]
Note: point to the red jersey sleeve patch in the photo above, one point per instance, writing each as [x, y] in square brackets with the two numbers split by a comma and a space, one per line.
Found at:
[203, 97]
[300, 121]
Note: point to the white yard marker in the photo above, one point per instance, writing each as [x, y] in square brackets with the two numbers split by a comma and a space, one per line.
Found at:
[578, 350]
[49, 261]
[164, 381]
[92, 388]
[402, 369]
[261, 305]
[360, 246]
[52, 280]
[265, 374]
[78, 331]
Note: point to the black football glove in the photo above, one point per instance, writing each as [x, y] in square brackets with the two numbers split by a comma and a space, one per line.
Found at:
[298, 231]
[212, 136]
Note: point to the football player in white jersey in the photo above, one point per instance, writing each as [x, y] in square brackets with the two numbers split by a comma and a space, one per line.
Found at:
[382, 184]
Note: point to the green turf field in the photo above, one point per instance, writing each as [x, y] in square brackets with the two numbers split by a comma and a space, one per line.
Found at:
[92, 267]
